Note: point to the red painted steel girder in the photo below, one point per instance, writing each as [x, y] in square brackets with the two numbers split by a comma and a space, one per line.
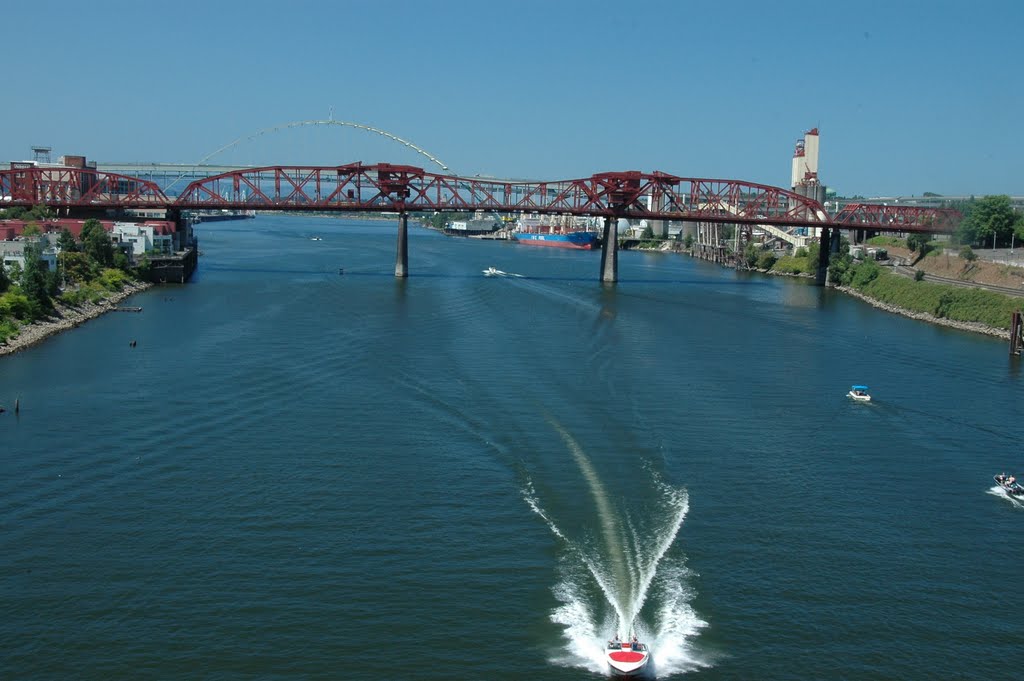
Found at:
[77, 187]
[879, 217]
[385, 187]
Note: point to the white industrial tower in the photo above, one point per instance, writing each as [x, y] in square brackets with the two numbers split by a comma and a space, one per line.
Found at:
[805, 180]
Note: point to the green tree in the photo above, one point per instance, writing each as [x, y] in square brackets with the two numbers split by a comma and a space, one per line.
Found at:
[920, 244]
[989, 220]
[66, 241]
[688, 241]
[34, 282]
[32, 229]
[96, 243]
[40, 212]
[5, 280]
[750, 255]
[77, 267]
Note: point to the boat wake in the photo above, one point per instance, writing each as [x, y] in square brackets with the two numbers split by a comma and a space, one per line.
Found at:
[997, 490]
[495, 272]
[623, 580]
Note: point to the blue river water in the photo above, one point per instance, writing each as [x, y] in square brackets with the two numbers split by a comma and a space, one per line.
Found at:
[297, 473]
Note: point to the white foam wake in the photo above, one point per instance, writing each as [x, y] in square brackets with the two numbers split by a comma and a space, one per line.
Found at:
[645, 591]
[998, 491]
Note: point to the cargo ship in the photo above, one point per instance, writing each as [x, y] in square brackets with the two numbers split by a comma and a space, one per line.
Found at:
[580, 240]
[535, 232]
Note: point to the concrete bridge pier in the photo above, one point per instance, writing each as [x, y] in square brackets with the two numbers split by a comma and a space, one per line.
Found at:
[402, 257]
[610, 251]
[824, 251]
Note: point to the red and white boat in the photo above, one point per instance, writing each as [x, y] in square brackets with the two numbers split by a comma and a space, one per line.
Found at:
[627, 658]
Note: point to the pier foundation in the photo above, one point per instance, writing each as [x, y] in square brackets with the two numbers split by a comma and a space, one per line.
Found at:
[824, 250]
[402, 257]
[610, 251]
[1016, 333]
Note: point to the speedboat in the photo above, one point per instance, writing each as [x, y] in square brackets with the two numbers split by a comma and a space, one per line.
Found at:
[627, 658]
[1009, 485]
[493, 272]
[859, 393]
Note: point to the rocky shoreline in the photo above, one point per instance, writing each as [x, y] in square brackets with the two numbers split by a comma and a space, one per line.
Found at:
[65, 317]
[975, 327]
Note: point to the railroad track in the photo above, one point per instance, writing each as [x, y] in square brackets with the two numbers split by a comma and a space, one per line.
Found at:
[1006, 290]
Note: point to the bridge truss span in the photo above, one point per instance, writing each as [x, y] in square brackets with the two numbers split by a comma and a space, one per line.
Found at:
[358, 187]
[63, 187]
[898, 218]
[385, 187]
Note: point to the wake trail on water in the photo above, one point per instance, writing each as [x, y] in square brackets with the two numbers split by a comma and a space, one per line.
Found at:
[640, 589]
[998, 491]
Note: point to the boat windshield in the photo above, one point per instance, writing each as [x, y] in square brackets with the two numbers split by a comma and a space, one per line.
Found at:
[861, 388]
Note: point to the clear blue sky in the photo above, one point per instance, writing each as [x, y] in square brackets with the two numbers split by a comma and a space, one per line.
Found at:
[909, 96]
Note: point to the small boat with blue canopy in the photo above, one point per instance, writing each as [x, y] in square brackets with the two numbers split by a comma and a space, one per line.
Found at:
[860, 393]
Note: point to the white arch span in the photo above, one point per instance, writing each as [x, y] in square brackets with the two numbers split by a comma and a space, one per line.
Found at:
[330, 121]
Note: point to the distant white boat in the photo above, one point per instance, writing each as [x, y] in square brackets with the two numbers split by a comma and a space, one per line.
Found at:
[495, 272]
[859, 393]
[315, 238]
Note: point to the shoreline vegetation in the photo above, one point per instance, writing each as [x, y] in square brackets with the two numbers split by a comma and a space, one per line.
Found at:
[966, 307]
[66, 317]
[57, 280]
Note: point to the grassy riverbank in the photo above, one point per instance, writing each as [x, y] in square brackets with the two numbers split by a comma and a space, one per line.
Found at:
[973, 309]
[968, 306]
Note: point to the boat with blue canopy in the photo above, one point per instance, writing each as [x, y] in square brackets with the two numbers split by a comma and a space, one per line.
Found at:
[860, 393]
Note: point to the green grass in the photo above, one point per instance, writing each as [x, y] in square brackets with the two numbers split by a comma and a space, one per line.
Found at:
[956, 303]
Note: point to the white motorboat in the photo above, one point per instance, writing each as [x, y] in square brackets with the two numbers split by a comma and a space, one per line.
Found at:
[627, 658]
[859, 393]
[493, 272]
[1009, 485]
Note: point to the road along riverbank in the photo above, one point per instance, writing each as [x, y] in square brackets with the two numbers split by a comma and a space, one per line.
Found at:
[66, 317]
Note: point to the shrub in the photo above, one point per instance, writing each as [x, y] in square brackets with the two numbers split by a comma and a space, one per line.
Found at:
[919, 275]
[8, 330]
[766, 260]
[15, 304]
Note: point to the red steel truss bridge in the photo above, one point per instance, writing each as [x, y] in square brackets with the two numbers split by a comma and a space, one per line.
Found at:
[407, 189]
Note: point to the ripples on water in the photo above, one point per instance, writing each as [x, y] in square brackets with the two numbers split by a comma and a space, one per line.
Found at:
[488, 477]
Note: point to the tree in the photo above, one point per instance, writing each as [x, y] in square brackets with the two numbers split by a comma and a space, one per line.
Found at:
[96, 243]
[989, 220]
[750, 254]
[77, 267]
[66, 241]
[919, 243]
[5, 281]
[34, 282]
